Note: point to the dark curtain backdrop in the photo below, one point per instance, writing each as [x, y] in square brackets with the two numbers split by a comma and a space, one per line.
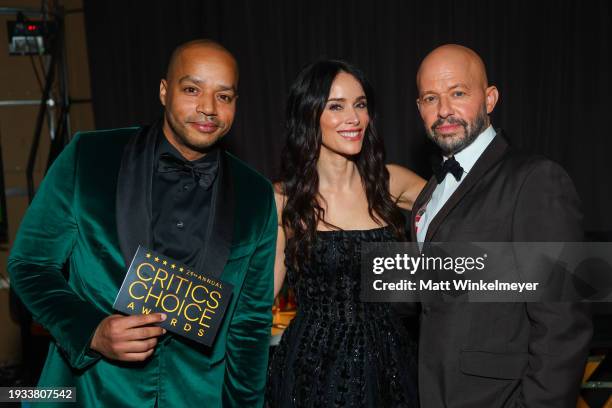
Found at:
[550, 60]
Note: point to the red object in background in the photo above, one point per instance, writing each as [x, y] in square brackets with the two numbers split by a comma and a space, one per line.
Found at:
[286, 300]
[282, 302]
[291, 303]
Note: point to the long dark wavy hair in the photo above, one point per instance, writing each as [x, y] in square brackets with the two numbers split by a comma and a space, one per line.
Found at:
[299, 179]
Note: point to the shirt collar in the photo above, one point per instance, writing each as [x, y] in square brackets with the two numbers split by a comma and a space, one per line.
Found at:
[468, 156]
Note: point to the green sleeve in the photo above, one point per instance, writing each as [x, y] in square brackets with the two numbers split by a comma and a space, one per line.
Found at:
[249, 332]
[44, 243]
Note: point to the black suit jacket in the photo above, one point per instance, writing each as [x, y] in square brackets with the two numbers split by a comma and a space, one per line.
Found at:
[504, 354]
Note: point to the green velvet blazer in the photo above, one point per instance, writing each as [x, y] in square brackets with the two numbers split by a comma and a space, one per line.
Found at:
[91, 212]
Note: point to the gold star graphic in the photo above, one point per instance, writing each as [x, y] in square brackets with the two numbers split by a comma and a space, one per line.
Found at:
[165, 262]
[181, 269]
[156, 259]
[173, 266]
[148, 255]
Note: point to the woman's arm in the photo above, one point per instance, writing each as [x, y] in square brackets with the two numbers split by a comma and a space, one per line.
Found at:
[279, 261]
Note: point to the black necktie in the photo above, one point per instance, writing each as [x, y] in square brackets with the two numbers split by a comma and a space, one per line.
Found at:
[451, 166]
[204, 173]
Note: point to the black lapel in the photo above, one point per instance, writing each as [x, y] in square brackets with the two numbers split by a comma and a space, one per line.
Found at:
[492, 154]
[421, 200]
[221, 222]
[133, 200]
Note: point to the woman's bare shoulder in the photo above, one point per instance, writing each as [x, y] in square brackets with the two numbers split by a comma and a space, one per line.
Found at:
[404, 184]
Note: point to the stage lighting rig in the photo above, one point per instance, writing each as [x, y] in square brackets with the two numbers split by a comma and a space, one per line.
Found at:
[30, 37]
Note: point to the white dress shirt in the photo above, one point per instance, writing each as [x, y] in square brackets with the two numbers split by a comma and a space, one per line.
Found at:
[467, 157]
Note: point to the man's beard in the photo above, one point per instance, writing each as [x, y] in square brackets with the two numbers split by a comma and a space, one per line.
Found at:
[451, 145]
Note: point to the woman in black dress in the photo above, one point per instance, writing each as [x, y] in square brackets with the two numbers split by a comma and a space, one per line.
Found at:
[335, 193]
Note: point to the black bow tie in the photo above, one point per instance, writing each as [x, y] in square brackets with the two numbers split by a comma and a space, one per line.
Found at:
[204, 173]
[451, 166]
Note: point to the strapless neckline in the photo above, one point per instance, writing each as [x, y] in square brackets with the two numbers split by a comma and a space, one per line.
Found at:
[368, 231]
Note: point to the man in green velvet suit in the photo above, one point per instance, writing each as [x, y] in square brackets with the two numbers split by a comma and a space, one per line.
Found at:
[168, 187]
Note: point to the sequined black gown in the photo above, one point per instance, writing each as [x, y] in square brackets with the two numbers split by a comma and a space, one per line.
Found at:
[339, 351]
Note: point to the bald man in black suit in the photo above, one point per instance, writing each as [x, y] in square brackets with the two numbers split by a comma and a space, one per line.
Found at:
[492, 354]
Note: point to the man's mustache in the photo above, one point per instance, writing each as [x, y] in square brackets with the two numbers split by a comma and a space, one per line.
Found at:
[205, 120]
[449, 121]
